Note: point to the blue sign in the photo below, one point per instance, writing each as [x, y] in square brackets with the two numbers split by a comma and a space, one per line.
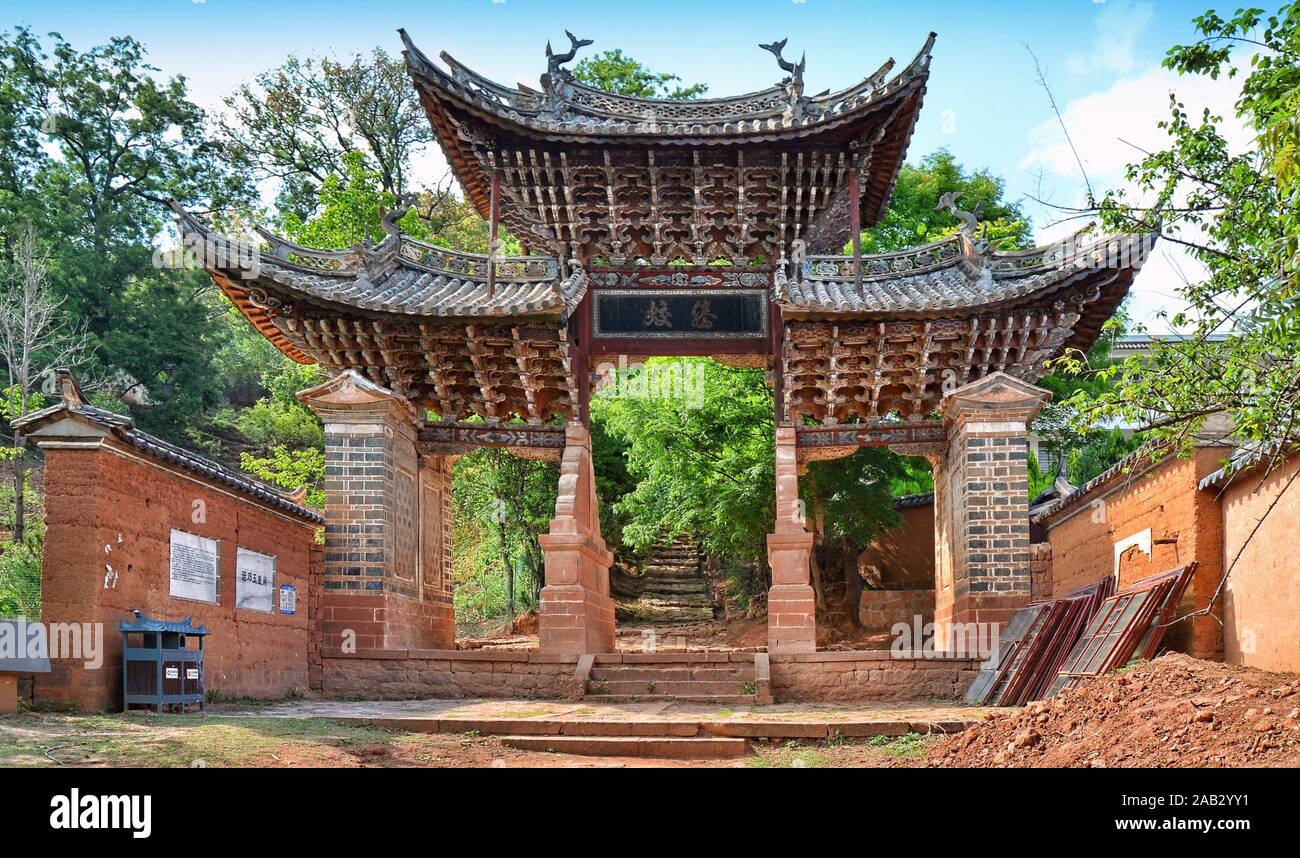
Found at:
[288, 599]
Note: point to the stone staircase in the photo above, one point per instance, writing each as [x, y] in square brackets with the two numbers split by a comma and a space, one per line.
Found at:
[673, 589]
[739, 679]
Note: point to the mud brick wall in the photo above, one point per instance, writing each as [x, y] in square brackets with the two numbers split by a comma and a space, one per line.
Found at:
[879, 610]
[866, 676]
[450, 674]
[1261, 623]
[1040, 571]
[904, 555]
[105, 507]
[1185, 522]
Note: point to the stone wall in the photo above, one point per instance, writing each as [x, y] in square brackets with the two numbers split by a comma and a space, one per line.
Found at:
[879, 610]
[1260, 616]
[1184, 523]
[109, 507]
[449, 674]
[867, 676]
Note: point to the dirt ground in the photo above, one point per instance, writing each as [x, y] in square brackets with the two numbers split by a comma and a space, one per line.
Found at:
[1174, 711]
[181, 741]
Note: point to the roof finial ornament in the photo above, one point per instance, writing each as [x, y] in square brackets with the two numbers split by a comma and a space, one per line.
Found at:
[388, 219]
[797, 106]
[969, 223]
[556, 82]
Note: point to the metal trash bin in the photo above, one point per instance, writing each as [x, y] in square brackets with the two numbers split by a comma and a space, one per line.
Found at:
[159, 668]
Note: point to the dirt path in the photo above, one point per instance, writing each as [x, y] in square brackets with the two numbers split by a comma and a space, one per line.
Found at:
[178, 741]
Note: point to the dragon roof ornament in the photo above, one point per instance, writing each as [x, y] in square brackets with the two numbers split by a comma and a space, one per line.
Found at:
[569, 108]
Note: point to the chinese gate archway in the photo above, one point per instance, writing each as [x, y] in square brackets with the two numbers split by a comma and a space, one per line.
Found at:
[701, 227]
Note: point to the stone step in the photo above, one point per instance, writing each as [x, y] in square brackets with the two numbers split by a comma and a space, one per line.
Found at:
[688, 688]
[709, 699]
[673, 588]
[739, 672]
[672, 747]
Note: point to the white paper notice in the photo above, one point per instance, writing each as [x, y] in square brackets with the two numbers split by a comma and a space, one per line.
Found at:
[193, 567]
[254, 581]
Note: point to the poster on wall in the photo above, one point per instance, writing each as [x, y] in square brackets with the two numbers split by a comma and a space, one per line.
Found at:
[288, 599]
[193, 567]
[254, 581]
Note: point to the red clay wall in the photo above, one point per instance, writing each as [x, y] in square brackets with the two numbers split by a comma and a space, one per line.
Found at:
[1261, 622]
[879, 610]
[1185, 525]
[95, 498]
[905, 554]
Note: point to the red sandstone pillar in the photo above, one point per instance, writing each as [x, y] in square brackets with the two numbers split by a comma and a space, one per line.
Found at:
[791, 603]
[981, 512]
[576, 615]
[387, 569]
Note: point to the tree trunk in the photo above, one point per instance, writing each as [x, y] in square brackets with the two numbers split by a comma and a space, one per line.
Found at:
[815, 566]
[20, 511]
[852, 580]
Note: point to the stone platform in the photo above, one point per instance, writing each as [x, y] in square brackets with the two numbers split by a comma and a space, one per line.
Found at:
[660, 730]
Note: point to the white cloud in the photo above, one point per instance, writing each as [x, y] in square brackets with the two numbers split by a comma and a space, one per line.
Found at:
[1118, 26]
[1111, 127]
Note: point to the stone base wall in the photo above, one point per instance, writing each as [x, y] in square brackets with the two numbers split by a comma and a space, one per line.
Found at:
[449, 674]
[879, 610]
[866, 676]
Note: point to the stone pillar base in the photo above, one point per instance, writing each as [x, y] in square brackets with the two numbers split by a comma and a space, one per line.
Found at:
[957, 628]
[574, 620]
[576, 614]
[791, 603]
[385, 621]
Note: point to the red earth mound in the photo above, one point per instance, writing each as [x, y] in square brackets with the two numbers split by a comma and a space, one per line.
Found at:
[1175, 711]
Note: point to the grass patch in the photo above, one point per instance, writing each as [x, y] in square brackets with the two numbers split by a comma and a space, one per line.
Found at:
[791, 755]
[170, 741]
[907, 745]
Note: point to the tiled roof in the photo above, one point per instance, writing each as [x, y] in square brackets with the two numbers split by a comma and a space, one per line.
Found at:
[911, 501]
[123, 428]
[400, 275]
[579, 111]
[947, 276]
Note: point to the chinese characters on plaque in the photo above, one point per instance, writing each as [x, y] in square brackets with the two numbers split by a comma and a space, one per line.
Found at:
[682, 313]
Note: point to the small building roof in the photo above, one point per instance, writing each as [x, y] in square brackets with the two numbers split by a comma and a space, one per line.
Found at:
[31, 641]
[141, 623]
[122, 429]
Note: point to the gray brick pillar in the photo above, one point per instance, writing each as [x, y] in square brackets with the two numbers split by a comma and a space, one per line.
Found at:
[387, 520]
[981, 519]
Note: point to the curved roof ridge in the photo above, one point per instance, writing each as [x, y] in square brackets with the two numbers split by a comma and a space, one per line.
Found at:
[772, 109]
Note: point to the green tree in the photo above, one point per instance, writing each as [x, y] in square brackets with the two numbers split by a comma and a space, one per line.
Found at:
[1239, 214]
[614, 71]
[912, 218]
[113, 143]
[296, 122]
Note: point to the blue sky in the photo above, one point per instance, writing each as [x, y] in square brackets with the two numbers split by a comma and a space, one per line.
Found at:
[983, 103]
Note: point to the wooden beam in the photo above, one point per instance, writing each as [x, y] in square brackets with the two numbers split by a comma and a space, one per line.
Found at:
[871, 434]
[494, 220]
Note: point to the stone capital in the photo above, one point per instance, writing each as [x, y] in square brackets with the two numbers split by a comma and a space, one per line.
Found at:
[349, 397]
[997, 398]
